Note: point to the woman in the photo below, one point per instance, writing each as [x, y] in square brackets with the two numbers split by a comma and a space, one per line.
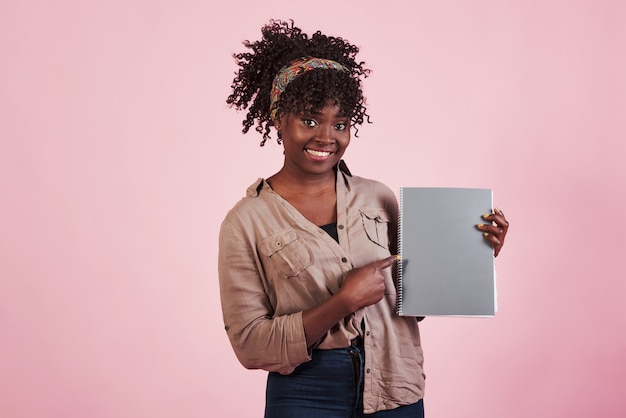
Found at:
[306, 292]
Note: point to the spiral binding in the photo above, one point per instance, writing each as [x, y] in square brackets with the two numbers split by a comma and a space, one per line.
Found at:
[400, 263]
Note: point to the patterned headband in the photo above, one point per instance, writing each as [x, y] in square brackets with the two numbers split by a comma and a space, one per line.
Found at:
[295, 68]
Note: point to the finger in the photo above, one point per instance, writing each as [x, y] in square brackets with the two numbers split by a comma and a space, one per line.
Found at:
[493, 239]
[495, 213]
[385, 262]
[498, 217]
[492, 229]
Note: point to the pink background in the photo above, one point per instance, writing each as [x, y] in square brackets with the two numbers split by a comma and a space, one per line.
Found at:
[119, 158]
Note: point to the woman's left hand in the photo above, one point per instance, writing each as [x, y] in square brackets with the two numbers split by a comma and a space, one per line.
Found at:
[495, 232]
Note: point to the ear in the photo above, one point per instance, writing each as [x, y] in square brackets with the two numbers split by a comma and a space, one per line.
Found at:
[277, 124]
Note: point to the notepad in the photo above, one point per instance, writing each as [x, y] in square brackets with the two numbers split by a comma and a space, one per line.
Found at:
[447, 267]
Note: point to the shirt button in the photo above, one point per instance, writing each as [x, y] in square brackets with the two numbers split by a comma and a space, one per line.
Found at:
[367, 371]
[344, 259]
[226, 327]
[340, 226]
[278, 244]
[367, 333]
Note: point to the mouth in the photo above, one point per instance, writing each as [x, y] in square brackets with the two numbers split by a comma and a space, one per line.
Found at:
[318, 153]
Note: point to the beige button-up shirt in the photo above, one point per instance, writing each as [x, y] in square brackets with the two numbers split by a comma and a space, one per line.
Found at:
[274, 263]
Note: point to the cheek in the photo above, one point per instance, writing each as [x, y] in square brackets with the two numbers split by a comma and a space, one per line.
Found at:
[345, 140]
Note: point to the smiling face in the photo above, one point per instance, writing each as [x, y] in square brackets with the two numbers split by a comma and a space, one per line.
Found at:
[314, 143]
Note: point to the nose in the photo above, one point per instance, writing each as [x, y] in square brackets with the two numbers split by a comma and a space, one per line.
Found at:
[325, 135]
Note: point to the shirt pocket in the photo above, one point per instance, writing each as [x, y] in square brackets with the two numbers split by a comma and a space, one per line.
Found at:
[289, 254]
[376, 225]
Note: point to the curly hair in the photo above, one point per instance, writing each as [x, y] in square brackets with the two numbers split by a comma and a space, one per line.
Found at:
[281, 44]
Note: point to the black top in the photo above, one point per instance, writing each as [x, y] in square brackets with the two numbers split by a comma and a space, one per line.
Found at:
[331, 229]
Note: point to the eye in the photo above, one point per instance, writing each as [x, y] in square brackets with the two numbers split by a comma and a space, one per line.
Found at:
[309, 122]
[341, 126]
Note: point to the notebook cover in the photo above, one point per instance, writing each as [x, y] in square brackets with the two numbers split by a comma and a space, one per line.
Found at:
[446, 267]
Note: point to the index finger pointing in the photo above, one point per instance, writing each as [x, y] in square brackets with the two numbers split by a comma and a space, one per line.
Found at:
[385, 262]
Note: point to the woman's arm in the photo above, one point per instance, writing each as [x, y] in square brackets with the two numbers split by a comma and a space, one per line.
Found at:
[280, 343]
[259, 340]
[362, 287]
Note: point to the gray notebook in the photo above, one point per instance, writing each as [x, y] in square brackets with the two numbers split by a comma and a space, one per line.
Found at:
[447, 267]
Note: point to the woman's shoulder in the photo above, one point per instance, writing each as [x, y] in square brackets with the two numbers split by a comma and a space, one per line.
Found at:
[253, 204]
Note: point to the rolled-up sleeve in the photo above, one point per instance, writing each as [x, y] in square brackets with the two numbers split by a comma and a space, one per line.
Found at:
[259, 339]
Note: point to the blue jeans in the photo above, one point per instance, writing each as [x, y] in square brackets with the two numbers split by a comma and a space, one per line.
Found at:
[328, 386]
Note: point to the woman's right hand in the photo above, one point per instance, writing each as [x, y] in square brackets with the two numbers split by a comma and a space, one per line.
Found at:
[364, 286]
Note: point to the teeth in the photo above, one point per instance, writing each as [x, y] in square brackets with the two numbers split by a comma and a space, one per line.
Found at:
[318, 153]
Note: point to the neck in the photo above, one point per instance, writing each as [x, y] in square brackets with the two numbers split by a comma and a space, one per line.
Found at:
[292, 183]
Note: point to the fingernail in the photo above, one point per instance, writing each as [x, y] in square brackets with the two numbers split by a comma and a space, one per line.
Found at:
[480, 225]
[399, 257]
[485, 234]
[485, 216]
